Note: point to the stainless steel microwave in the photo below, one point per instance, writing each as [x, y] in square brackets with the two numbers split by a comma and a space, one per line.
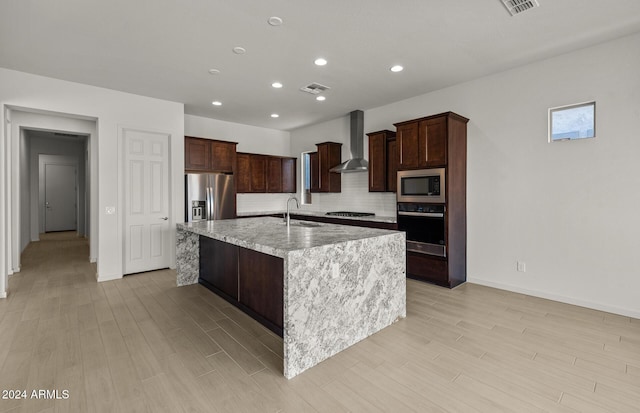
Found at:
[424, 185]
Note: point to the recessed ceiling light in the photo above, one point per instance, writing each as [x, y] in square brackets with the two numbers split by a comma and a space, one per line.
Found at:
[239, 50]
[320, 98]
[397, 68]
[320, 61]
[275, 115]
[214, 71]
[275, 21]
[216, 103]
[276, 85]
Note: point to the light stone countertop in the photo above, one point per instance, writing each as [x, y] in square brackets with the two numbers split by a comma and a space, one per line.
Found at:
[271, 236]
[375, 218]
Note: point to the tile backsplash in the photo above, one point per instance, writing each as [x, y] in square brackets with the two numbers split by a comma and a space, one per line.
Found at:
[355, 196]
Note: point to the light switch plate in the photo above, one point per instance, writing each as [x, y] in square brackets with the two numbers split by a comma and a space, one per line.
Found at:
[110, 210]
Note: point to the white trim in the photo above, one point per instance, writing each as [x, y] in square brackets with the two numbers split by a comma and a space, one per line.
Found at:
[3, 294]
[109, 277]
[627, 312]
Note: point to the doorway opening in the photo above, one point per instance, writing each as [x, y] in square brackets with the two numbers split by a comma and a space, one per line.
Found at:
[52, 177]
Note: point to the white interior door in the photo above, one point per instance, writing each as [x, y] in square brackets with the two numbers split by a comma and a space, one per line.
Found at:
[146, 215]
[60, 198]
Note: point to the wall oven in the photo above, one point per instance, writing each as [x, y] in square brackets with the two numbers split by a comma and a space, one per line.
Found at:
[425, 227]
[423, 185]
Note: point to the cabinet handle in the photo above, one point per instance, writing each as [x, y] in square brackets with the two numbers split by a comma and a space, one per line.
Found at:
[400, 139]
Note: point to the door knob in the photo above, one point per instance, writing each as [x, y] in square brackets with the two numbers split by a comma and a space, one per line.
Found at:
[164, 218]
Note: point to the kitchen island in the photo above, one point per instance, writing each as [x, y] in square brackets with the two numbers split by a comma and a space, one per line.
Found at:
[340, 284]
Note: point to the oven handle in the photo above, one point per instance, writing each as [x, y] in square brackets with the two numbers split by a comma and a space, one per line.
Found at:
[423, 214]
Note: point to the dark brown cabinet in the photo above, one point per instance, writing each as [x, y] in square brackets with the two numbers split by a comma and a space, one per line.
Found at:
[265, 173]
[274, 174]
[422, 143]
[329, 154]
[208, 155]
[440, 141]
[223, 156]
[250, 280]
[289, 175]
[315, 168]
[196, 154]
[219, 267]
[383, 163]
[261, 285]
[243, 173]
[258, 173]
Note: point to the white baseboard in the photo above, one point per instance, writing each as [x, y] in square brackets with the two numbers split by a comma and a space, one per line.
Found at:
[627, 312]
[3, 294]
[108, 277]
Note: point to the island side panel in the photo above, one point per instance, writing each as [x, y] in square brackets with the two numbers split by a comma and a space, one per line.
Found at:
[339, 294]
[187, 257]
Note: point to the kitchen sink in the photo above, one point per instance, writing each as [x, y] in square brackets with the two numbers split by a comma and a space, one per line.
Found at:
[304, 224]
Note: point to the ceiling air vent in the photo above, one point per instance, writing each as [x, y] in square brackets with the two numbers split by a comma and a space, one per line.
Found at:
[314, 88]
[518, 6]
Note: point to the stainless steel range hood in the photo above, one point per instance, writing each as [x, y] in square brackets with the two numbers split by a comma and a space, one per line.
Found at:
[357, 163]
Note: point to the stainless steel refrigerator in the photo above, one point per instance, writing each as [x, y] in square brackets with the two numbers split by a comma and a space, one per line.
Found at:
[209, 196]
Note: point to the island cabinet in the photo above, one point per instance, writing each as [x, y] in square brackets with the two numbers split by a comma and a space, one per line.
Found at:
[329, 154]
[265, 173]
[219, 267]
[422, 143]
[260, 287]
[383, 162]
[208, 155]
[250, 280]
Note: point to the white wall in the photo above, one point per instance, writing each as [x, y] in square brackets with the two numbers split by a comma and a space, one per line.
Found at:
[569, 210]
[113, 110]
[251, 139]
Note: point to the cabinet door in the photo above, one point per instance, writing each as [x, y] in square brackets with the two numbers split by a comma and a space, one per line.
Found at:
[377, 162]
[329, 155]
[219, 266]
[315, 171]
[433, 142]
[223, 156]
[258, 173]
[392, 165]
[261, 284]
[274, 174]
[289, 175]
[243, 173]
[196, 154]
[408, 146]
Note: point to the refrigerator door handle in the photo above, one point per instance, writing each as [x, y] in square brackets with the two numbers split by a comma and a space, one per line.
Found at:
[209, 206]
[212, 207]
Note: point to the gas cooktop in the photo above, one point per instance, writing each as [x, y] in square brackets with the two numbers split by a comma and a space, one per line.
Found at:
[350, 214]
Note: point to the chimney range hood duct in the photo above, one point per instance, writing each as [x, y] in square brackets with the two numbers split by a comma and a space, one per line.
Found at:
[357, 163]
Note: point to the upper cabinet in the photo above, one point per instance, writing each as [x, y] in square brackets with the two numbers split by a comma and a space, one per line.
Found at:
[383, 161]
[422, 143]
[207, 155]
[329, 154]
[265, 173]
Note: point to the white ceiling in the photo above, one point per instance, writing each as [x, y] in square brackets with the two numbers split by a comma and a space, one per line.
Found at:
[164, 48]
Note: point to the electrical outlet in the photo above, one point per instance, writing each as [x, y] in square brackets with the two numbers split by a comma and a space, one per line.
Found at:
[522, 266]
[110, 210]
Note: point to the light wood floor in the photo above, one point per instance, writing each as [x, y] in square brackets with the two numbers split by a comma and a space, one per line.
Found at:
[141, 344]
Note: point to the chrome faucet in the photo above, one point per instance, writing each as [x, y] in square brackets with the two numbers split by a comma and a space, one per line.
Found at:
[297, 206]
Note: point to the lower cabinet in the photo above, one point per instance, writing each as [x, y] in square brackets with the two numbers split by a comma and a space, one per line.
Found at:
[428, 268]
[260, 283]
[250, 280]
[219, 267]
